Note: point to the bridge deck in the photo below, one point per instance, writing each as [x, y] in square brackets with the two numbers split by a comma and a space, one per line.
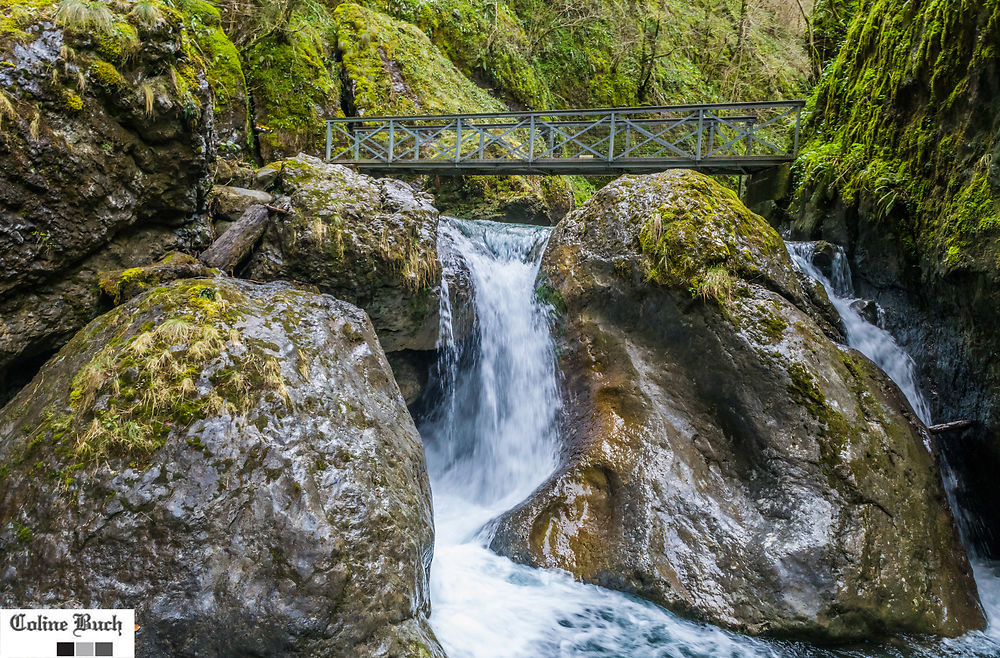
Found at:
[732, 138]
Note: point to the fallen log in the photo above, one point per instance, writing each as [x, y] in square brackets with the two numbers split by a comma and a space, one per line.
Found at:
[280, 211]
[954, 426]
[232, 247]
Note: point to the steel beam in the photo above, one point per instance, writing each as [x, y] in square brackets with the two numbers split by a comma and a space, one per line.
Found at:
[573, 141]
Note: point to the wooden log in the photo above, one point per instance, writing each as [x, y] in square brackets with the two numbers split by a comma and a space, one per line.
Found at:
[280, 211]
[234, 245]
[954, 426]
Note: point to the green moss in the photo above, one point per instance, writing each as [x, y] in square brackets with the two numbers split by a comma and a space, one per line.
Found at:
[551, 297]
[773, 326]
[217, 55]
[71, 101]
[803, 390]
[124, 284]
[143, 384]
[117, 44]
[601, 53]
[294, 80]
[22, 533]
[705, 238]
[582, 189]
[106, 75]
[16, 15]
[896, 129]
[396, 69]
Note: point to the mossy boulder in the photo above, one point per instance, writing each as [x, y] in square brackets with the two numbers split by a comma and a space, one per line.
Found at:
[108, 132]
[724, 458]
[234, 461]
[371, 242]
[121, 285]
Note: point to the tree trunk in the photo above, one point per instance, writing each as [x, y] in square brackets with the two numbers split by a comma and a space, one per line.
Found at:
[950, 427]
[234, 245]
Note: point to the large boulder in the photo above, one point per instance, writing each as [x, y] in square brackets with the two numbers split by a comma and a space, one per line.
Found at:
[724, 458]
[370, 242]
[40, 318]
[109, 115]
[234, 461]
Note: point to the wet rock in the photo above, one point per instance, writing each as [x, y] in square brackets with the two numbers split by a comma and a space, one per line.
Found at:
[724, 458]
[235, 462]
[825, 314]
[227, 203]
[370, 242]
[867, 309]
[106, 161]
[411, 370]
[38, 320]
[823, 256]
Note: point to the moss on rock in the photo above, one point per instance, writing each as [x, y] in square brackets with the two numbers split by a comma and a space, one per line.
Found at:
[896, 130]
[121, 285]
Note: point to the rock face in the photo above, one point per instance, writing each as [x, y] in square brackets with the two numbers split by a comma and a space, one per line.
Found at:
[37, 320]
[106, 152]
[235, 462]
[723, 457]
[908, 181]
[370, 242]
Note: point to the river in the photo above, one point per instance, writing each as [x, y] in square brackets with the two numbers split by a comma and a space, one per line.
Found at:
[492, 438]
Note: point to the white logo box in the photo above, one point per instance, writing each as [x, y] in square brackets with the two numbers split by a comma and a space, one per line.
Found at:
[54, 633]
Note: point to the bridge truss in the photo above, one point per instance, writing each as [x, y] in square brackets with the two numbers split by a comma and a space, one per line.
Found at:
[718, 138]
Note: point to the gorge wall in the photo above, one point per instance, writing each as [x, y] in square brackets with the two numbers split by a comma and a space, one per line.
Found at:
[900, 166]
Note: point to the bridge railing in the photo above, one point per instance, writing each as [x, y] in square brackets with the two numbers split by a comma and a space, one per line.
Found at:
[616, 136]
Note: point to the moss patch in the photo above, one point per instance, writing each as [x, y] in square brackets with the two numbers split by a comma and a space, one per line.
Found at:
[152, 379]
[705, 238]
[897, 130]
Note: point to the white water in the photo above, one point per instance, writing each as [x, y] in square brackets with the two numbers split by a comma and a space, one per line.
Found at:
[492, 439]
[872, 341]
[879, 346]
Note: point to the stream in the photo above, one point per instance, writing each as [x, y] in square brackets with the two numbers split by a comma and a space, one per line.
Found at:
[492, 438]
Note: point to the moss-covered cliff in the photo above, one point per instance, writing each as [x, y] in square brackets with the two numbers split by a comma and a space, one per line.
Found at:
[899, 130]
[901, 166]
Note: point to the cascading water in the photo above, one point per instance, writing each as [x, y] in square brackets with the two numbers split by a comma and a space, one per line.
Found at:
[492, 438]
[872, 341]
[879, 346]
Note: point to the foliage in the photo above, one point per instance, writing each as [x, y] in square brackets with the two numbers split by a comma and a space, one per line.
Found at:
[897, 129]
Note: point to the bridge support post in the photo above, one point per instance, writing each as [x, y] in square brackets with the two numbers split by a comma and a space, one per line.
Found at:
[392, 138]
[531, 141]
[798, 123]
[611, 140]
[458, 140]
[701, 130]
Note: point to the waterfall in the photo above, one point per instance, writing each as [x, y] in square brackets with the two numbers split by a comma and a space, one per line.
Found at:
[879, 346]
[491, 438]
[495, 438]
[872, 341]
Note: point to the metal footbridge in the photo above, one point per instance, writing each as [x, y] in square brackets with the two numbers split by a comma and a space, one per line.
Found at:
[717, 138]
